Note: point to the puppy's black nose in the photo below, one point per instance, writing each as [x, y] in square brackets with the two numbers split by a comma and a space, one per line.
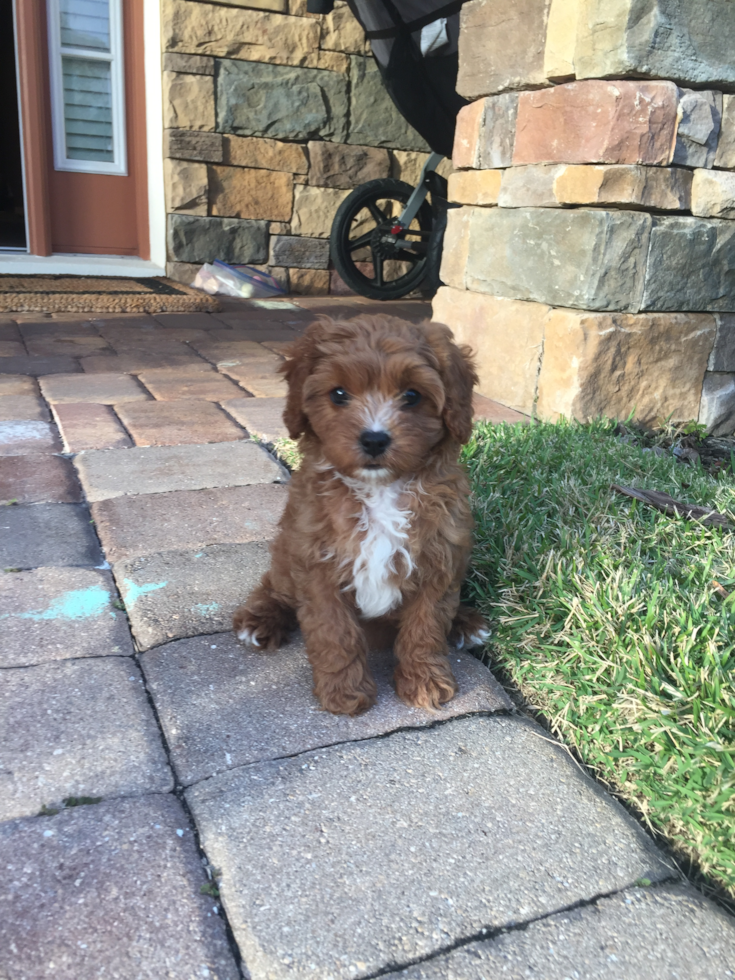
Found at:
[375, 443]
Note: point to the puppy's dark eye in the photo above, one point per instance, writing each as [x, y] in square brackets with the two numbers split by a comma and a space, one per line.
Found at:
[339, 396]
[411, 397]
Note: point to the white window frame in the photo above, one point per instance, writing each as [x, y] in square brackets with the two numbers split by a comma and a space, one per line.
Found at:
[119, 164]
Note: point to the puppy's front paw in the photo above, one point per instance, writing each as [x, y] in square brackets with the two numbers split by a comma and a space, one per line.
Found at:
[425, 685]
[343, 694]
[259, 632]
[469, 629]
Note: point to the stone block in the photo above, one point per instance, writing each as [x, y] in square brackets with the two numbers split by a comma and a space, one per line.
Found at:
[475, 187]
[713, 194]
[188, 101]
[717, 407]
[597, 122]
[263, 707]
[589, 259]
[178, 385]
[101, 389]
[501, 46]
[341, 32]
[333, 61]
[309, 282]
[48, 534]
[240, 192]
[373, 119]
[691, 265]
[303, 253]
[17, 384]
[136, 361]
[174, 423]
[669, 931]
[455, 250]
[162, 469]
[614, 364]
[130, 527]
[700, 115]
[85, 426]
[725, 156]
[191, 145]
[229, 32]
[507, 338]
[49, 345]
[466, 151]
[341, 165]
[190, 64]
[11, 348]
[60, 614]
[77, 728]
[186, 186]
[559, 184]
[36, 366]
[479, 823]
[722, 357]
[185, 593]
[561, 37]
[28, 408]
[496, 132]
[281, 103]
[38, 480]
[686, 40]
[487, 410]
[233, 240]
[109, 890]
[265, 154]
[262, 417]
[18, 438]
[314, 209]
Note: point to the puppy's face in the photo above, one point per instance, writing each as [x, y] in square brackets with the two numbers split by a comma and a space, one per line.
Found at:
[375, 393]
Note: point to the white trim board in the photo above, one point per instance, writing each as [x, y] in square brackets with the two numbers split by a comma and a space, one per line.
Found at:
[21, 263]
[153, 68]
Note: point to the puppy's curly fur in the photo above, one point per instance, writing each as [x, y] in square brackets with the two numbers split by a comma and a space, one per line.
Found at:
[373, 532]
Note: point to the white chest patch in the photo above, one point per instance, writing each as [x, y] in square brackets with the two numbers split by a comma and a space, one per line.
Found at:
[384, 526]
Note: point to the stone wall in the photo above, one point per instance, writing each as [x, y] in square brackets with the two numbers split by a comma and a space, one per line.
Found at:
[271, 117]
[592, 263]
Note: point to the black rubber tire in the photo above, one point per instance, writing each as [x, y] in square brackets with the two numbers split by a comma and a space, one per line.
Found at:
[339, 240]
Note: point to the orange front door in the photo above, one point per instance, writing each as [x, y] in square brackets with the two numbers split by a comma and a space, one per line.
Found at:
[90, 100]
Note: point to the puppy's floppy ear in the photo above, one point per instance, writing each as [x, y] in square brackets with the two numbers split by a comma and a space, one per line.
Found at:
[457, 370]
[301, 356]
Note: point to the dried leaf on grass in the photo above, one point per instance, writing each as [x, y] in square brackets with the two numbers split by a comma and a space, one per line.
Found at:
[675, 508]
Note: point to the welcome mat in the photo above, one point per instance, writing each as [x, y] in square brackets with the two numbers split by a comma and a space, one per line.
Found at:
[100, 294]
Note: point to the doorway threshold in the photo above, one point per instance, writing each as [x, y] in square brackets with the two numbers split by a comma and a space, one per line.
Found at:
[23, 264]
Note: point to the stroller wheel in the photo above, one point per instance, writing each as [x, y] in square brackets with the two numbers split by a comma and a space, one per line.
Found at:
[371, 255]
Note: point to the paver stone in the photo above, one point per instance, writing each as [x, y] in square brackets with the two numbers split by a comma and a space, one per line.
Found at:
[85, 425]
[77, 728]
[211, 387]
[109, 890]
[223, 705]
[47, 534]
[187, 593]
[130, 527]
[29, 407]
[18, 438]
[37, 366]
[262, 417]
[103, 389]
[165, 468]
[388, 851]
[38, 479]
[671, 931]
[173, 423]
[17, 384]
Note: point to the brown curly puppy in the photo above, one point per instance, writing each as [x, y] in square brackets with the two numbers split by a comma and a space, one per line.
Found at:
[378, 523]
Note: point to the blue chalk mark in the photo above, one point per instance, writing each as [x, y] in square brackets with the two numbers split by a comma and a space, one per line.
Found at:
[133, 592]
[76, 604]
[205, 608]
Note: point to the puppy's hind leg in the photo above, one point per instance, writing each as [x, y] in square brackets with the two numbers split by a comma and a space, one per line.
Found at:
[469, 629]
[266, 619]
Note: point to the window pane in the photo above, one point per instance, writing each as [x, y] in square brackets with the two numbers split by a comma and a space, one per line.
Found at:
[87, 109]
[85, 23]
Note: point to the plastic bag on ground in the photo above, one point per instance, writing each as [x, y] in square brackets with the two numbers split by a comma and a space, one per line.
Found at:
[236, 280]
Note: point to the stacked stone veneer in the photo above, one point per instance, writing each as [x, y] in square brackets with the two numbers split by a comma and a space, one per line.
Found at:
[271, 117]
[592, 263]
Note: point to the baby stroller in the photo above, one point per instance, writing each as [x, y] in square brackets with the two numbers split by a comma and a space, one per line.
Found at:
[387, 236]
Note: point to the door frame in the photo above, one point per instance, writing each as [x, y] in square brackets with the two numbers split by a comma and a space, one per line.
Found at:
[32, 71]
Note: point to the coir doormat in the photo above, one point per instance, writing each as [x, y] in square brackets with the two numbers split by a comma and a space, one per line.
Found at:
[99, 294]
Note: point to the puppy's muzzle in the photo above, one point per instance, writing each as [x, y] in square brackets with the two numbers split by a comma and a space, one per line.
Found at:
[374, 443]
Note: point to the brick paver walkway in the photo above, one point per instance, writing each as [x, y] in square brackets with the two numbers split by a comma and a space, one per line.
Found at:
[175, 806]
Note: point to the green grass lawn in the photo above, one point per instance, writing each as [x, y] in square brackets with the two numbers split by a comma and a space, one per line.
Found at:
[607, 615]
